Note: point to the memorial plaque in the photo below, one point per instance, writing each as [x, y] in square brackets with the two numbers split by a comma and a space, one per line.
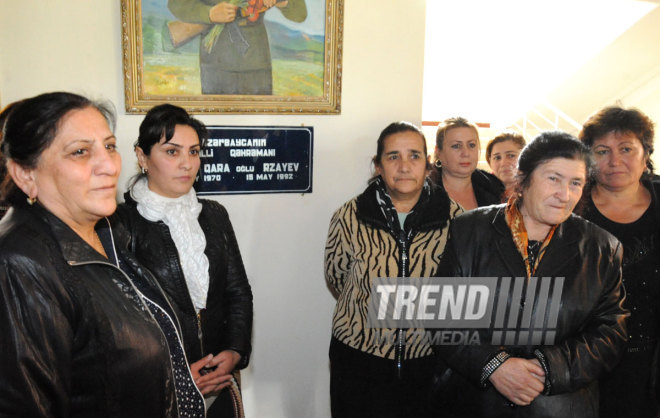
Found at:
[256, 159]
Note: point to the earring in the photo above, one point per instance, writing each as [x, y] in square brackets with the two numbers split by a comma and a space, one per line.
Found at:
[144, 170]
[437, 163]
[31, 200]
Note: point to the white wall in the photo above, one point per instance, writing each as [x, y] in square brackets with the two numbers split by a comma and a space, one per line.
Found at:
[75, 45]
[647, 99]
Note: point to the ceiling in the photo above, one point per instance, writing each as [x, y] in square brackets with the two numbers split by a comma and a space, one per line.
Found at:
[626, 72]
[502, 63]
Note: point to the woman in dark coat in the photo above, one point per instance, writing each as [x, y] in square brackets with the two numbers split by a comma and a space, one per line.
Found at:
[190, 246]
[84, 329]
[561, 277]
[624, 201]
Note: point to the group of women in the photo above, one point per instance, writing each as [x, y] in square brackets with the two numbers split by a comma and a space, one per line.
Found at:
[602, 357]
[142, 313]
[145, 309]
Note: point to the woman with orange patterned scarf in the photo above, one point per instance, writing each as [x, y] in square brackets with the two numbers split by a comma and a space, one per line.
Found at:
[559, 284]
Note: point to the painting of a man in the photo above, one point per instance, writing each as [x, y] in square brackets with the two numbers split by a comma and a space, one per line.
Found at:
[234, 51]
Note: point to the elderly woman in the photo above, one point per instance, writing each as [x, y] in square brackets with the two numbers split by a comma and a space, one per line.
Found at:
[84, 329]
[456, 157]
[559, 283]
[190, 246]
[396, 228]
[502, 155]
[624, 201]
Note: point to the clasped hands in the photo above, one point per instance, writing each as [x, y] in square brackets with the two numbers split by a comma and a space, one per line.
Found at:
[519, 380]
[224, 362]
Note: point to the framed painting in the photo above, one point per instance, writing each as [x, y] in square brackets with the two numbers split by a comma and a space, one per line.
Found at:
[233, 56]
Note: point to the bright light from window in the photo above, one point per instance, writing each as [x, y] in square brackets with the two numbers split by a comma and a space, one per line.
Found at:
[490, 61]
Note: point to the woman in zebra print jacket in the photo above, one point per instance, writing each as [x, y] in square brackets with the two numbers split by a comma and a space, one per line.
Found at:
[396, 228]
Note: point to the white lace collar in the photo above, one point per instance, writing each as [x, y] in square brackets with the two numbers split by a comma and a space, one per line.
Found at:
[180, 215]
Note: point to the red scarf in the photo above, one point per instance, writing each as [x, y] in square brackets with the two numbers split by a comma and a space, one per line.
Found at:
[517, 226]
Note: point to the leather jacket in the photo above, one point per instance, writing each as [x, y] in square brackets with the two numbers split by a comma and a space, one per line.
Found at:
[488, 189]
[74, 339]
[590, 330]
[226, 323]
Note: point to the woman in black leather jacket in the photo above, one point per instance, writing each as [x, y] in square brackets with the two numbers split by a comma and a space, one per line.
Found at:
[190, 246]
[84, 329]
[561, 277]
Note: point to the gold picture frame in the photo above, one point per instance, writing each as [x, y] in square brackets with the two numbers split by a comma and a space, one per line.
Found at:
[306, 66]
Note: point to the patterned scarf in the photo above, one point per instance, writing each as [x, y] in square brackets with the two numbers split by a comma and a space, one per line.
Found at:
[514, 220]
[389, 211]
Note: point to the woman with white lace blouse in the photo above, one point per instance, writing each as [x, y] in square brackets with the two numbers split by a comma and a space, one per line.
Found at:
[190, 246]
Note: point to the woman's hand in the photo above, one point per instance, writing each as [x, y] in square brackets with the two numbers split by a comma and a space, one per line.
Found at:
[223, 12]
[226, 361]
[519, 380]
[218, 378]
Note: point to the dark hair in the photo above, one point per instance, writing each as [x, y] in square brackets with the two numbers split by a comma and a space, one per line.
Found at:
[160, 122]
[4, 178]
[449, 124]
[548, 146]
[503, 137]
[29, 127]
[619, 120]
[395, 128]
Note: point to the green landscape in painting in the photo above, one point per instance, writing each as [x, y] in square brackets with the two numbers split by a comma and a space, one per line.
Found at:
[296, 56]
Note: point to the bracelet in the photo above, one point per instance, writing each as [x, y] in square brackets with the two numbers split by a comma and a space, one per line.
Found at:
[544, 365]
[492, 365]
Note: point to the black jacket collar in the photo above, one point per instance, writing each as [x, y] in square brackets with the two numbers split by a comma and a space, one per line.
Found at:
[433, 215]
[558, 253]
[488, 189]
[74, 249]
